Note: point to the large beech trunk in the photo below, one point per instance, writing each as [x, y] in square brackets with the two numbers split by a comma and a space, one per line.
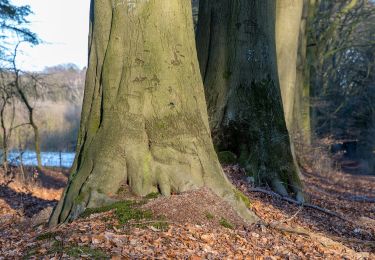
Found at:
[144, 119]
[237, 56]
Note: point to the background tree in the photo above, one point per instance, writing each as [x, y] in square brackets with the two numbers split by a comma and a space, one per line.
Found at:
[13, 21]
[341, 42]
[144, 119]
[237, 55]
[301, 108]
[6, 119]
[25, 83]
[13, 27]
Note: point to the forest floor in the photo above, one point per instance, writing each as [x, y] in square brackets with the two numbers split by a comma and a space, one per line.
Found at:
[337, 223]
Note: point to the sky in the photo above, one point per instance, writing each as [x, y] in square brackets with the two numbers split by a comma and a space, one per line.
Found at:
[63, 27]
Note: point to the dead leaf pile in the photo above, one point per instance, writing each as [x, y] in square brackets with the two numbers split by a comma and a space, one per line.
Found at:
[196, 230]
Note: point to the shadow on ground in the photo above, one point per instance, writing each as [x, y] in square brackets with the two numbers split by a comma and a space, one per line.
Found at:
[22, 202]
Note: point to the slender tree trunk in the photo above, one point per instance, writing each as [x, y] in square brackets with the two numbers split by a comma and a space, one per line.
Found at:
[300, 101]
[237, 55]
[30, 111]
[29, 108]
[144, 119]
[302, 97]
[4, 135]
[36, 142]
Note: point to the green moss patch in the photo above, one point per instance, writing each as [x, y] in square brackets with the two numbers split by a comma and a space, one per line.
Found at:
[225, 223]
[123, 210]
[209, 215]
[152, 195]
[129, 211]
[240, 196]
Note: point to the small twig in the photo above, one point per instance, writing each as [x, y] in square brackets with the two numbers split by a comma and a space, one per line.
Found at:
[151, 222]
[294, 215]
[21, 125]
[287, 220]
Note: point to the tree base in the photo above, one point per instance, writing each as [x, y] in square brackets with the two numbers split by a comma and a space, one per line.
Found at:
[159, 168]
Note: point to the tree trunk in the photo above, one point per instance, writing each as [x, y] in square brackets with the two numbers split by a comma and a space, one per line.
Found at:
[144, 119]
[30, 111]
[302, 97]
[4, 134]
[36, 142]
[288, 21]
[237, 55]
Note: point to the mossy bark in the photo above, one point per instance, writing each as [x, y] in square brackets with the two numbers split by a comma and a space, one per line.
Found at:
[237, 56]
[144, 119]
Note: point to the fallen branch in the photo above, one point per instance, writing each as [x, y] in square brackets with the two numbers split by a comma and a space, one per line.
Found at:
[287, 220]
[307, 205]
[361, 199]
[318, 237]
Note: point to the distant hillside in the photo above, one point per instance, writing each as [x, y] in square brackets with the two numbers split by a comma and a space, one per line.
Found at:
[57, 100]
[63, 83]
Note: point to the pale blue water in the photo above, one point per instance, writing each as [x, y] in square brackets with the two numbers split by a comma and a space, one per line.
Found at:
[49, 159]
